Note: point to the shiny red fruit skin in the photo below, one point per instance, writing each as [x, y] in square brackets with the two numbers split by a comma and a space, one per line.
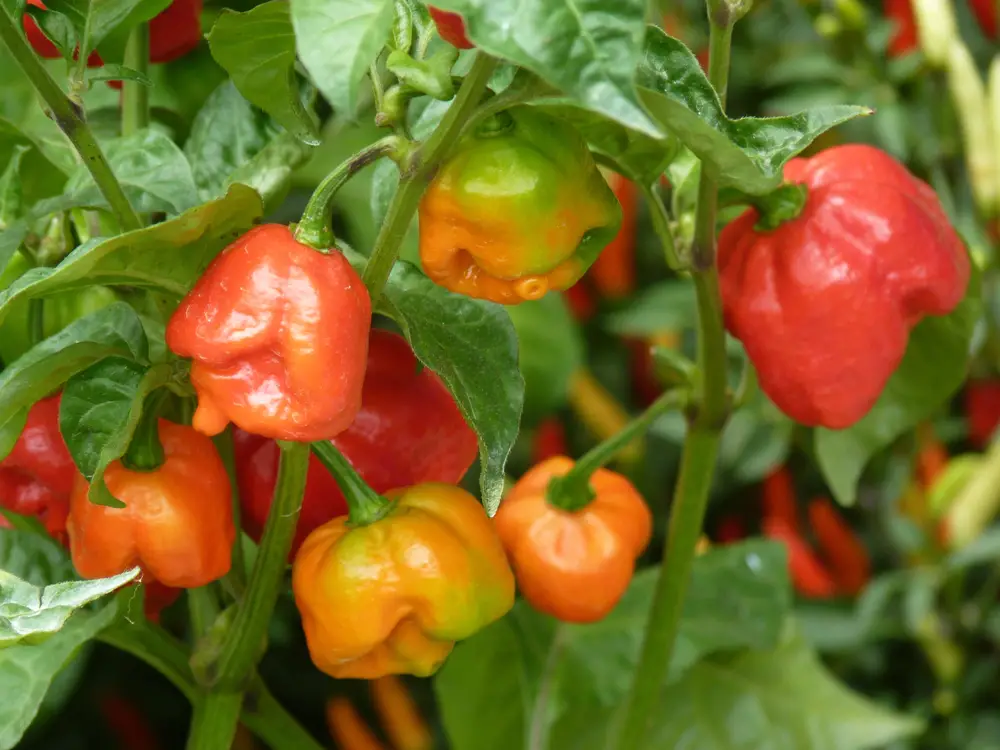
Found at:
[451, 27]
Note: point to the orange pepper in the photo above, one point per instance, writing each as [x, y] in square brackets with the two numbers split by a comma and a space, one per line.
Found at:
[400, 716]
[348, 728]
[841, 547]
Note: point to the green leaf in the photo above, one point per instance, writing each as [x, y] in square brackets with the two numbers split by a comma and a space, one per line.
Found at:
[38, 176]
[100, 410]
[33, 557]
[551, 350]
[170, 256]
[257, 48]
[779, 699]
[31, 614]
[11, 192]
[152, 170]
[667, 305]
[270, 171]
[747, 153]
[27, 670]
[11, 430]
[932, 370]
[227, 133]
[337, 40]
[117, 73]
[472, 346]
[113, 330]
[544, 677]
[587, 49]
[93, 20]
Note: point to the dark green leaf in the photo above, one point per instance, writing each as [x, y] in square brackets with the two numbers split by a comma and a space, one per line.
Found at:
[747, 153]
[337, 40]
[93, 21]
[587, 49]
[544, 678]
[113, 330]
[112, 46]
[931, 371]
[258, 50]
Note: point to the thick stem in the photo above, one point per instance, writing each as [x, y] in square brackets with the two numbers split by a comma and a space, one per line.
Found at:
[414, 179]
[661, 225]
[216, 717]
[365, 505]
[314, 229]
[69, 117]
[135, 96]
[700, 446]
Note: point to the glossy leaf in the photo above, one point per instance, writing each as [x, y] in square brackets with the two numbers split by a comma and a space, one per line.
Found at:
[257, 48]
[932, 370]
[545, 678]
[337, 40]
[588, 49]
[747, 153]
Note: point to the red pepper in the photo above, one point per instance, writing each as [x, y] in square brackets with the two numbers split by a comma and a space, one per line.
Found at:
[581, 301]
[779, 498]
[613, 273]
[549, 440]
[128, 723]
[408, 431]
[809, 576]
[36, 479]
[982, 409]
[825, 302]
[986, 13]
[173, 33]
[451, 27]
[845, 554]
[905, 39]
[730, 530]
[43, 46]
[279, 336]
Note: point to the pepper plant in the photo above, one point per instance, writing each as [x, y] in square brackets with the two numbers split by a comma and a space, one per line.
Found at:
[595, 364]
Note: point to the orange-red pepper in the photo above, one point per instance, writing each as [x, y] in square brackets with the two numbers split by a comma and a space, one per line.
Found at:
[401, 719]
[613, 273]
[844, 553]
[809, 576]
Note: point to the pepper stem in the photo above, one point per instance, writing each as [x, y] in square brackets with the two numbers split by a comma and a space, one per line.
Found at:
[365, 505]
[145, 453]
[314, 229]
[135, 95]
[782, 204]
[572, 491]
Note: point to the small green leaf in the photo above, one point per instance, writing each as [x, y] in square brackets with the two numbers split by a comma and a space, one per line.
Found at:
[257, 48]
[337, 40]
[11, 193]
[747, 153]
[117, 73]
[932, 369]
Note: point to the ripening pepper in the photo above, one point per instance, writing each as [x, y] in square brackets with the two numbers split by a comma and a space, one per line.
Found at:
[408, 431]
[58, 310]
[43, 46]
[178, 521]
[982, 410]
[451, 27]
[519, 208]
[279, 336]
[825, 302]
[37, 477]
[574, 565]
[393, 596]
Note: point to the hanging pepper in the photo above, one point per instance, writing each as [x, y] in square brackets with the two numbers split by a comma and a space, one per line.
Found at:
[408, 431]
[982, 410]
[573, 560]
[451, 27]
[44, 47]
[279, 337]
[347, 728]
[809, 576]
[390, 590]
[519, 208]
[870, 245]
[846, 555]
[173, 33]
[177, 523]
[613, 273]
[904, 39]
[986, 13]
[36, 479]
[778, 498]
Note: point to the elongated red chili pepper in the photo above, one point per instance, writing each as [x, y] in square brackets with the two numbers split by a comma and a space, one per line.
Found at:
[844, 553]
[779, 499]
[348, 728]
[809, 576]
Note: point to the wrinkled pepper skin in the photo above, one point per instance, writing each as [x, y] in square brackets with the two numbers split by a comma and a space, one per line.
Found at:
[824, 303]
[518, 209]
[451, 27]
[178, 521]
[43, 46]
[58, 311]
[279, 337]
[394, 596]
[576, 565]
[408, 431]
[36, 479]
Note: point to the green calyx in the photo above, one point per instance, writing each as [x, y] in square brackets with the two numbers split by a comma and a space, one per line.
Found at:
[782, 204]
[365, 505]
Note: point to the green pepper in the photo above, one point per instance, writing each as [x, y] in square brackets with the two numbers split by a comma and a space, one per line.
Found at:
[58, 310]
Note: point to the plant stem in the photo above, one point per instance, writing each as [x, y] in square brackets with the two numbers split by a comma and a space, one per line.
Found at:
[216, 717]
[415, 176]
[365, 505]
[314, 228]
[700, 446]
[36, 321]
[661, 225]
[135, 95]
[69, 117]
[268, 719]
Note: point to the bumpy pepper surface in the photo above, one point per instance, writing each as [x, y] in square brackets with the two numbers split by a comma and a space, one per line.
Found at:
[58, 311]
[824, 303]
[36, 479]
[408, 431]
[573, 565]
[178, 521]
[451, 27]
[279, 337]
[394, 596]
[519, 208]
[43, 46]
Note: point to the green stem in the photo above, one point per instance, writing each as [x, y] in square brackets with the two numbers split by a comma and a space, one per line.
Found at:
[216, 717]
[572, 491]
[135, 96]
[365, 505]
[237, 576]
[700, 446]
[661, 225]
[69, 117]
[415, 177]
[202, 609]
[266, 718]
[314, 229]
